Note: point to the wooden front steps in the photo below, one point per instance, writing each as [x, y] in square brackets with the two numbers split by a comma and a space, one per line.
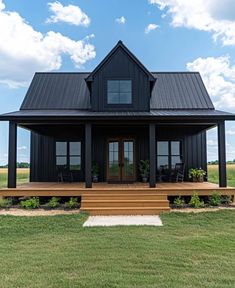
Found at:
[124, 202]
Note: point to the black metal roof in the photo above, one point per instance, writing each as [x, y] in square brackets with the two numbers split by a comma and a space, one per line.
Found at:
[180, 90]
[153, 114]
[173, 90]
[57, 91]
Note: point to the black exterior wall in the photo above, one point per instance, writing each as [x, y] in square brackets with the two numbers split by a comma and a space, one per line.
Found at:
[43, 166]
[121, 67]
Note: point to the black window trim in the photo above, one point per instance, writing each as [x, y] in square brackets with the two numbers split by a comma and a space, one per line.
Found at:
[118, 104]
[170, 155]
[68, 153]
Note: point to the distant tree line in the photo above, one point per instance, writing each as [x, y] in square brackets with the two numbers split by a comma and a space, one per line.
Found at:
[216, 162]
[18, 165]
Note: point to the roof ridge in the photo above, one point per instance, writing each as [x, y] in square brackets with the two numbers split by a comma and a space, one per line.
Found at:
[175, 72]
[62, 72]
[88, 72]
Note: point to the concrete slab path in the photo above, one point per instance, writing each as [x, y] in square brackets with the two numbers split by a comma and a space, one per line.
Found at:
[95, 221]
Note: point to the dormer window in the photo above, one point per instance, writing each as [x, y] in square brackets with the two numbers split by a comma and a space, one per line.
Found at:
[119, 92]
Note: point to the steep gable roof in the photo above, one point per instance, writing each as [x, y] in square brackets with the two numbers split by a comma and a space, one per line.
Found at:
[120, 45]
[61, 91]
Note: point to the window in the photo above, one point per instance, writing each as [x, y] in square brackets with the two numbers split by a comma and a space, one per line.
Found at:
[119, 92]
[168, 154]
[68, 155]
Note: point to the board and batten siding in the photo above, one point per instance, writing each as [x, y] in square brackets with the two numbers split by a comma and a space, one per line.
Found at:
[43, 166]
[195, 152]
[121, 67]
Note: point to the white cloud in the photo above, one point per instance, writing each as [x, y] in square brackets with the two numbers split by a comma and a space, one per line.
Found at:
[230, 132]
[214, 16]
[211, 142]
[24, 50]
[150, 28]
[219, 77]
[121, 20]
[70, 14]
[20, 148]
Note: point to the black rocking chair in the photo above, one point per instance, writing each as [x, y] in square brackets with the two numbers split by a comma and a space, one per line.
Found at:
[65, 176]
[178, 174]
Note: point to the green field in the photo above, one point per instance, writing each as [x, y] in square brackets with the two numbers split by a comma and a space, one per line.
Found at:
[190, 250]
[213, 174]
[23, 175]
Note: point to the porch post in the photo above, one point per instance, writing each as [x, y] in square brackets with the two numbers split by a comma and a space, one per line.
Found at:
[152, 155]
[222, 154]
[88, 156]
[12, 155]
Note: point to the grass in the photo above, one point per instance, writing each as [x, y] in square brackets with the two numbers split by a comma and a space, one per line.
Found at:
[213, 174]
[22, 176]
[57, 252]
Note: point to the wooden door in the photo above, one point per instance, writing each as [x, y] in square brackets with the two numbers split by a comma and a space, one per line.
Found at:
[121, 160]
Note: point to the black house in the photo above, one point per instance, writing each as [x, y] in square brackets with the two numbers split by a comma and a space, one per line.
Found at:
[116, 116]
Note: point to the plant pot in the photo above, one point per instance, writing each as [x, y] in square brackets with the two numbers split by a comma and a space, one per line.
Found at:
[200, 178]
[144, 179]
[95, 179]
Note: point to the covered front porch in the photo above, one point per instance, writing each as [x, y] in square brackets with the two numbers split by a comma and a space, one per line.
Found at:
[117, 147]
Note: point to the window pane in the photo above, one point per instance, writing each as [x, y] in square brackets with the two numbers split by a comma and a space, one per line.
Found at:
[162, 148]
[113, 98]
[175, 148]
[174, 160]
[75, 162]
[75, 148]
[61, 148]
[162, 161]
[125, 98]
[61, 161]
[125, 86]
[119, 92]
[113, 86]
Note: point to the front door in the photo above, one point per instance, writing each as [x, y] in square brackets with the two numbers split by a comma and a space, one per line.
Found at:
[121, 160]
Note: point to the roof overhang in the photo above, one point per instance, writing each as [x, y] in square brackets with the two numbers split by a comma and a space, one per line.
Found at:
[212, 116]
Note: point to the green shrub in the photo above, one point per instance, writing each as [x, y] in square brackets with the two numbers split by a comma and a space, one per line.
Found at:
[32, 203]
[226, 199]
[54, 202]
[215, 199]
[179, 202]
[72, 203]
[195, 201]
[5, 202]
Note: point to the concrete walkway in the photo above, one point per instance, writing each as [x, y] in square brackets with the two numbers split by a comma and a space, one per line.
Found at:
[95, 221]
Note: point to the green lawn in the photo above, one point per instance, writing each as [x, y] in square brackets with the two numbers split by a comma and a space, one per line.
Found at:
[214, 177]
[190, 250]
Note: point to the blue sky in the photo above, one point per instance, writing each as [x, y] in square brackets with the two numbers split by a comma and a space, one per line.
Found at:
[76, 35]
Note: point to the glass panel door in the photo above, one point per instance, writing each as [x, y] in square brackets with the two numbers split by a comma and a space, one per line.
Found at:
[128, 160]
[113, 161]
[121, 160]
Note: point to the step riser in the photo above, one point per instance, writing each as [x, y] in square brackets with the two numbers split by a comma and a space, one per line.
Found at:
[128, 212]
[121, 191]
[125, 204]
[124, 197]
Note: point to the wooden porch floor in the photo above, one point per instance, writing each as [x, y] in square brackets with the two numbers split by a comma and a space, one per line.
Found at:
[78, 189]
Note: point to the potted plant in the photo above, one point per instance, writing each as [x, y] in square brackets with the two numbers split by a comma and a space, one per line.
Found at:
[144, 170]
[95, 171]
[197, 175]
